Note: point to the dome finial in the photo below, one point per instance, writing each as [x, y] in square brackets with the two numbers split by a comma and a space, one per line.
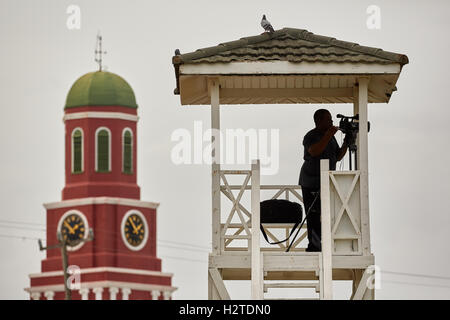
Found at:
[98, 51]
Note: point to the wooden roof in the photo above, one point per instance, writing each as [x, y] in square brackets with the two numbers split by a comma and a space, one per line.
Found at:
[294, 45]
[294, 59]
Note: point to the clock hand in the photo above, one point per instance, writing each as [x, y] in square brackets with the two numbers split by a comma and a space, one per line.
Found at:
[71, 230]
[132, 223]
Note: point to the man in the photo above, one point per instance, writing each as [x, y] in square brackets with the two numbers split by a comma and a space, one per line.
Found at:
[319, 143]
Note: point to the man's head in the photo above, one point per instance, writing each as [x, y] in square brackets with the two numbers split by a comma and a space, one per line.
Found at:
[323, 119]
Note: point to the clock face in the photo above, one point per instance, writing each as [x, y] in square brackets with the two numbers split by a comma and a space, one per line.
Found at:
[134, 230]
[73, 229]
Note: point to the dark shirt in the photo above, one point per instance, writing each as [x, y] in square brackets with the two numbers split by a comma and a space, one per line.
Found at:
[310, 172]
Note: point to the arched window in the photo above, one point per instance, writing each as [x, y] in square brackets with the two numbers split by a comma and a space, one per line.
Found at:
[127, 151]
[77, 150]
[103, 150]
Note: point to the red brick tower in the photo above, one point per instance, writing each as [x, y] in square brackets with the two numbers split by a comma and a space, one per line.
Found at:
[101, 194]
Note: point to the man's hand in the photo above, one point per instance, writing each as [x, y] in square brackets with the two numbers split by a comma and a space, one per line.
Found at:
[332, 131]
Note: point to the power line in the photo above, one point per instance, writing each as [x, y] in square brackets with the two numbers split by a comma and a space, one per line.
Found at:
[198, 248]
[18, 237]
[22, 228]
[416, 275]
[186, 259]
[416, 284]
[22, 222]
[178, 247]
[185, 244]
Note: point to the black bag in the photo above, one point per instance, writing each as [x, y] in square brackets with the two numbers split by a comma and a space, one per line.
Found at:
[280, 211]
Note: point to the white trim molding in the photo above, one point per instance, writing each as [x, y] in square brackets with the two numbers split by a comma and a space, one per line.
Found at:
[146, 230]
[84, 293]
[155, 294]
[98, 293]
[101, 200]
[35, 295]
[49, 295]
[113, 293]
[287, 67]
[104, 269]
[100, 115]
[98, 287]
[126, 293]
[86, 227]
[103, 284]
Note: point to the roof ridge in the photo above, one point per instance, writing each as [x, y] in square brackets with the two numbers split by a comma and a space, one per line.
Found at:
[300, 34]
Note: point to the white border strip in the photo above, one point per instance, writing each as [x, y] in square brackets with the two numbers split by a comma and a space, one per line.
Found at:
[104, 269]
[286, 67]
[101, 200]
[100, 115]
[104, 284]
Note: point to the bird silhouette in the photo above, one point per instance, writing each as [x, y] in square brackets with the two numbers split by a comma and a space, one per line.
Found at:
[266, 24]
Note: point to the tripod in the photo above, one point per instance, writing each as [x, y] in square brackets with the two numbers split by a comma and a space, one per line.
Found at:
[352, 148]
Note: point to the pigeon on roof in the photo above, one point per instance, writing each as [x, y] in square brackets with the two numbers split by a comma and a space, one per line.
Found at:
[266, 24]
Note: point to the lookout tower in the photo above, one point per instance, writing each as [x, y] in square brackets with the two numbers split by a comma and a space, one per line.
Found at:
[289, 66]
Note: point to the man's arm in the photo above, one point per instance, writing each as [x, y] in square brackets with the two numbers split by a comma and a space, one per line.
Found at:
[317, 148]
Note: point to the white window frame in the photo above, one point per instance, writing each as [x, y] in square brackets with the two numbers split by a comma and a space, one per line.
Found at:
[73, 150]
[123, 149]
[109, 147]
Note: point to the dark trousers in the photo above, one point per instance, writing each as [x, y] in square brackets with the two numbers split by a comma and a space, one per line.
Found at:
[313, 219]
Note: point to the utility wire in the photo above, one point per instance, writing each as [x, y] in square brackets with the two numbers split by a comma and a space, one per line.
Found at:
[416, 284]
[22, 228]
[198, 248]
[22, 222]
[416, 275]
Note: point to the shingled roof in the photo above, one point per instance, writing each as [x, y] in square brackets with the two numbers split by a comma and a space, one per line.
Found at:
[293, 45]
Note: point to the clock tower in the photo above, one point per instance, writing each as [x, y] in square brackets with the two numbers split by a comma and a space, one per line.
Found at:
[101, 194]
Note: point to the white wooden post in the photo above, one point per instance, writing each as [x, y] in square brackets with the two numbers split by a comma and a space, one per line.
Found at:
[363, 163]
[215, 188]
[355, 112]
[257, 268]
[326, 256]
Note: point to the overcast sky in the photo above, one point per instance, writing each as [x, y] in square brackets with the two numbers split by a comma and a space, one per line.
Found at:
[40, 58]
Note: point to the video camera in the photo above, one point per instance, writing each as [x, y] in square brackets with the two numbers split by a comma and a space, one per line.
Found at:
[349, 125]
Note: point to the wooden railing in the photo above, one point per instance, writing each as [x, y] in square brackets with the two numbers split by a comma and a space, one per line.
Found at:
[241, 230]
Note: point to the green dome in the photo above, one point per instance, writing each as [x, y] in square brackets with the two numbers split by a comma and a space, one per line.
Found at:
[100, 88]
